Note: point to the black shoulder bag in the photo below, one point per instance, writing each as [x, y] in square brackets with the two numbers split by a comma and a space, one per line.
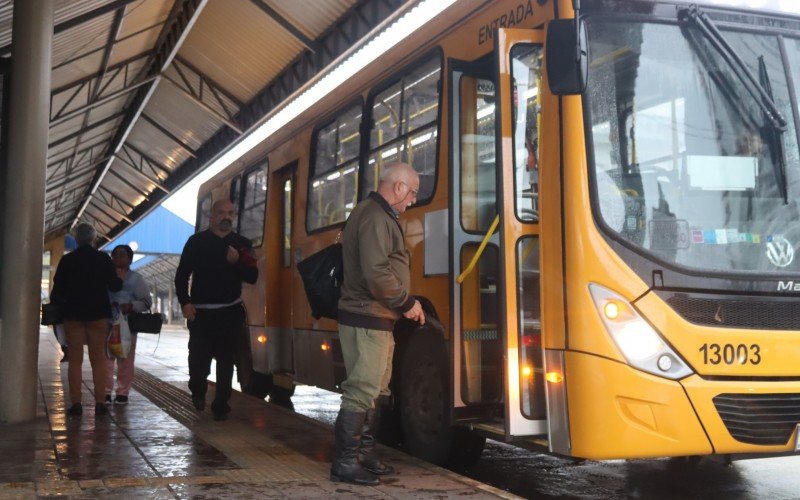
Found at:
[322, 275]
[144, 322]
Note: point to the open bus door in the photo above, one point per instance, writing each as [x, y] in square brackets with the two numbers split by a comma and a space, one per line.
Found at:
[519, 56]
[498, 373]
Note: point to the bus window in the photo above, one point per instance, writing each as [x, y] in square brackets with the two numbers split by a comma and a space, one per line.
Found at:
[404, 127]
[478, 172]
[254, 197]
[481, 344]
[333, 189]
[235, 193]
[532, 397]
[287, 223]
[526, 70]
[203, 213]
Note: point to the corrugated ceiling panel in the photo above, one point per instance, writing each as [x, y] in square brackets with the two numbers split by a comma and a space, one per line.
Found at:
[107, 109]
[312, 22]
[142, 14]
[81, 40]
[67, 127]
[236, 43]
[135, 45]
[182, 116]
[145, 137]
[121, 190]
[77, 70]
[6, 14]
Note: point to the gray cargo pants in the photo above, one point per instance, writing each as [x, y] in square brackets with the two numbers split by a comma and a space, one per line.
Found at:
[368, 361]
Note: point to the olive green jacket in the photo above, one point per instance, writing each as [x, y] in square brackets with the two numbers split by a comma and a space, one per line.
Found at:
[375, 291]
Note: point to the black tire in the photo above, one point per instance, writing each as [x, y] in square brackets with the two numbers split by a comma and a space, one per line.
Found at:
[260, 385]
[423, 405]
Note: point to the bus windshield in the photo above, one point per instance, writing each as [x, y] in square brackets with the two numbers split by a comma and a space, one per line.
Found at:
[687, 165]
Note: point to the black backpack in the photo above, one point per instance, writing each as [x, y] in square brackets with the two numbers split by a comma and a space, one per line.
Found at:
[322, 275]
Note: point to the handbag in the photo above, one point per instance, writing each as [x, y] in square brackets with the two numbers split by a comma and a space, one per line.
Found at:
[322, 275]
[144, 322]
[52, 314]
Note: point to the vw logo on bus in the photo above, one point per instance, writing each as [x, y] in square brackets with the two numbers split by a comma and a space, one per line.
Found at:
[780, 252]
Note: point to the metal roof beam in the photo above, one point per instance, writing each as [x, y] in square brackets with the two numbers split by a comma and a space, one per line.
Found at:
[127, 183]
[114, 197]
[120, 66]
[157, 182]
[285, 24]
[356, 23]
[118, 215]
[182, 17]
[93, 103]
[78, 20]
[169, 134]
[227, 120]
[130, 147]
[88, 127]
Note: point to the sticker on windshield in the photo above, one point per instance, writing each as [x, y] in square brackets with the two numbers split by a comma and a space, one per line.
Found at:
[669, 234]
[723, 237]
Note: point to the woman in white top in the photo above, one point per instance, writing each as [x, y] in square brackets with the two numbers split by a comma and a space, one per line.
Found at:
[134, 297]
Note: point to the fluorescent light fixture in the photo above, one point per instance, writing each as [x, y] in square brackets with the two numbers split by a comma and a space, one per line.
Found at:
[183, 201]
[334, 176]
[423, 138]
[483, 113]
[389, 152]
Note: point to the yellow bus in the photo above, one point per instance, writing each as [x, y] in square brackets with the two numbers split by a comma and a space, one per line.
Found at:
[607, 227]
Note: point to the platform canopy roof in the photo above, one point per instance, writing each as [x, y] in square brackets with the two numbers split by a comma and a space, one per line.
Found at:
[145, 93]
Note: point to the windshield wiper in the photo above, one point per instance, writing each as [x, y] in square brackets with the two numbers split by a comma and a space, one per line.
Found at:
[775, 135]
[700, 20]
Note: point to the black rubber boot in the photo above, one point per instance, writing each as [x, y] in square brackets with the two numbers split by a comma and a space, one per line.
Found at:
[345, 467]
[367, 456]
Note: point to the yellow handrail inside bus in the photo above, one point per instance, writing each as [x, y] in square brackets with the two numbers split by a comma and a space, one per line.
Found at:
[481, 248]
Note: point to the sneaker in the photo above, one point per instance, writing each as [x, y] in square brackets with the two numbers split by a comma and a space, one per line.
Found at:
[199, 403]
[100, 409]
[121, 400]
[107, 400]
[75, 410]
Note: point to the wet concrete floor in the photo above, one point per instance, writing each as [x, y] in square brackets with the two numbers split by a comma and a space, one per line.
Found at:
[158, 446]
[535, 475]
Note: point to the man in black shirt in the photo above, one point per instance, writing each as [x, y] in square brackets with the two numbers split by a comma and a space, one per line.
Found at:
[218, 260]
[80, 287]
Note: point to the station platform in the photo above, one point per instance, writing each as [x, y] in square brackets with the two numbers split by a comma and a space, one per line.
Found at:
[158, 446]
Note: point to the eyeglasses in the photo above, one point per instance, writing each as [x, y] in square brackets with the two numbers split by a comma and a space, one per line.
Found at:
[415, 192]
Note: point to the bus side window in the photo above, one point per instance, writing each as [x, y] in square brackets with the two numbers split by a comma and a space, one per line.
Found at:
[405, 119]
[526, 68]
[203, 213]
[253, 205]
[334, 170]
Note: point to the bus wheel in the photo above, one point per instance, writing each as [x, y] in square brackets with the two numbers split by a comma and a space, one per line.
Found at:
[260, 385]
[423, 400]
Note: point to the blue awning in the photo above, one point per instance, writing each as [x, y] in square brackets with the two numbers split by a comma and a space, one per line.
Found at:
[161, 232]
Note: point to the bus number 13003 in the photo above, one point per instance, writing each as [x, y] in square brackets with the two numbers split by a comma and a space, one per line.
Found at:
[731, 354]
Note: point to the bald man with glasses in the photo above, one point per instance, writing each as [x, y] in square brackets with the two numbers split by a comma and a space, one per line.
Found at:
[375, 294]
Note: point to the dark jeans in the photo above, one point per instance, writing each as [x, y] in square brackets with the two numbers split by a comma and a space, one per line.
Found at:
[214, 334]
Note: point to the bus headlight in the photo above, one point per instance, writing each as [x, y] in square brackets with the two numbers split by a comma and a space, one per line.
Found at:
[641, 345]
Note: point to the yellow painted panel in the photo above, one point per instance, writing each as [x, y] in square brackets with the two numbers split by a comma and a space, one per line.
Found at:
[768, 353]
[618, 412]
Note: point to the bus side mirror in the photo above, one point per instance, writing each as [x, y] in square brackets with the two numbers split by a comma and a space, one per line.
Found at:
[567, 57]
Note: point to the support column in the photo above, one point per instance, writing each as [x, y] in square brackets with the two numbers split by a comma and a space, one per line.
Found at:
[23, 225]
[171, 300]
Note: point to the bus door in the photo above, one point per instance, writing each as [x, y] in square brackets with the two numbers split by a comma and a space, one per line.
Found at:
[520, 81]
[477, 343]
[279, 285]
